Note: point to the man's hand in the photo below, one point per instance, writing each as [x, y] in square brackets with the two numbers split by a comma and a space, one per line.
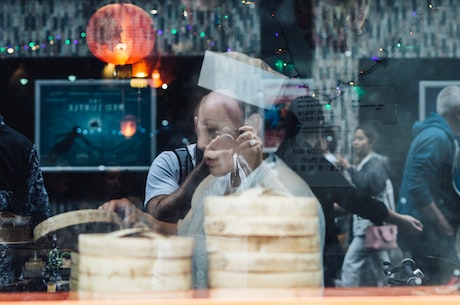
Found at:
[411, 224]
[249, 146]
[129, 214]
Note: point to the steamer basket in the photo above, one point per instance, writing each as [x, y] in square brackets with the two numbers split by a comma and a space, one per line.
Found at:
[134, 260]
[261, 239]
[62, 230]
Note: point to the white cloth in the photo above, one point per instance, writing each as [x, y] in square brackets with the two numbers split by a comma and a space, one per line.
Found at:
[273, 174]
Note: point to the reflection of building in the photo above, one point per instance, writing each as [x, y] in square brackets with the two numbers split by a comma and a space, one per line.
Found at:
[181, 29]
[325, 43]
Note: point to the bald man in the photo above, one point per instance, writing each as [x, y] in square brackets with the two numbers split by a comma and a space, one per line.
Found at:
[165, 197]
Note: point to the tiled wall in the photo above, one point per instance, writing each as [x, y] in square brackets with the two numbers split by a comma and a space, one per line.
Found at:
[56, 26]
[404, 29]
[421, 32]
[344, 32]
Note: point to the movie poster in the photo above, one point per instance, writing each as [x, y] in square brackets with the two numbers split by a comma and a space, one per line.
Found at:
[94, 125]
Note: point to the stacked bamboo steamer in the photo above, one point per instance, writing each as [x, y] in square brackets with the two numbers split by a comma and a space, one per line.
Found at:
[131, 260]
[263, 239]
[62, 230]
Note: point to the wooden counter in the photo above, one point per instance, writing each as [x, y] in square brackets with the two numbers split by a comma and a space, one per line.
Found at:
[445, 295]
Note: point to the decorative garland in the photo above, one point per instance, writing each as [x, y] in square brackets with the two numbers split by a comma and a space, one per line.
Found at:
[378, 61]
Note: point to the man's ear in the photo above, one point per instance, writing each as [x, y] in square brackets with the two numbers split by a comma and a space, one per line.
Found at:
[457, 114]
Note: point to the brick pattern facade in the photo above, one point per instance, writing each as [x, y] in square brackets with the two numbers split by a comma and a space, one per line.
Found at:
[403, 29]
[56, 26]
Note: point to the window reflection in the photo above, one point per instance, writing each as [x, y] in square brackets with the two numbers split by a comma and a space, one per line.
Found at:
[364, 62]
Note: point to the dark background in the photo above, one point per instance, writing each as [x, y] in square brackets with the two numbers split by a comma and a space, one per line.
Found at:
[175, 104]
[68, 190]
[390, 98]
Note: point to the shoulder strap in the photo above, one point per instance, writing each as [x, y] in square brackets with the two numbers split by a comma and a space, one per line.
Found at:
[185, 163]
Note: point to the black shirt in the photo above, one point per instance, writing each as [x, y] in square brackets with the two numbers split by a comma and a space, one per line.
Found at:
[330, 186]
[22, 189]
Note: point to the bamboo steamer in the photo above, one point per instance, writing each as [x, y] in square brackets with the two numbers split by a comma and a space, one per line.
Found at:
[264, 262]
[263, 239]
[134, 260]
[286, 206]
[62, 230]
[140, 283]
[230, 280]
[261, 225]
[73, 278]
[291, 244]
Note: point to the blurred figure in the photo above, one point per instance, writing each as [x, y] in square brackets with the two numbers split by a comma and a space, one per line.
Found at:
[170, 181]
[22, 190]
[235, 162]
[116, 184]
[428, 190]
[223, 157]
[58, 188]
[303, 151]
[272, 174]
[370, 173]
[119, 184]
[343, 219]
[329, 144]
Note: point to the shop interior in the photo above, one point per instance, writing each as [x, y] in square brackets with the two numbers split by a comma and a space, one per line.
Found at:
[369, 61]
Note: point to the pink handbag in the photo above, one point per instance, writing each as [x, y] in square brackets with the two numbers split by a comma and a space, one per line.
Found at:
[381, 237]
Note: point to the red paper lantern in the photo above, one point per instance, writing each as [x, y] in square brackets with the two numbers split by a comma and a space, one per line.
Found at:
[120, 34]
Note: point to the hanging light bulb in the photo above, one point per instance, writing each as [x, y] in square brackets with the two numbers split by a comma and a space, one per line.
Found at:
[156, 79]
[128, 126]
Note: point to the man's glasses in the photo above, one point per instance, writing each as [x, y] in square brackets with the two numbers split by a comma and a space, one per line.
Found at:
[224, 138]
[223, 132]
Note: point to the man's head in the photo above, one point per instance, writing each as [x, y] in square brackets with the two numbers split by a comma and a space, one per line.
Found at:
[448, 105]
[218, 112]
[305, 114]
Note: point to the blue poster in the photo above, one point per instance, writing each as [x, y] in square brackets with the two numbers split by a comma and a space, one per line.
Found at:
[94, 125]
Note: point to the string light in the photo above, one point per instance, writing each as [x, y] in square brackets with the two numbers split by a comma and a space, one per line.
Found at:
[36, 46]
[379, 61]
[223, 20]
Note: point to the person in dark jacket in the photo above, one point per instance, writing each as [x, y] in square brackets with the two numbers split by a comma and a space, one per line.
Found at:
[303, 152]
[427, 190]
[22, 189]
